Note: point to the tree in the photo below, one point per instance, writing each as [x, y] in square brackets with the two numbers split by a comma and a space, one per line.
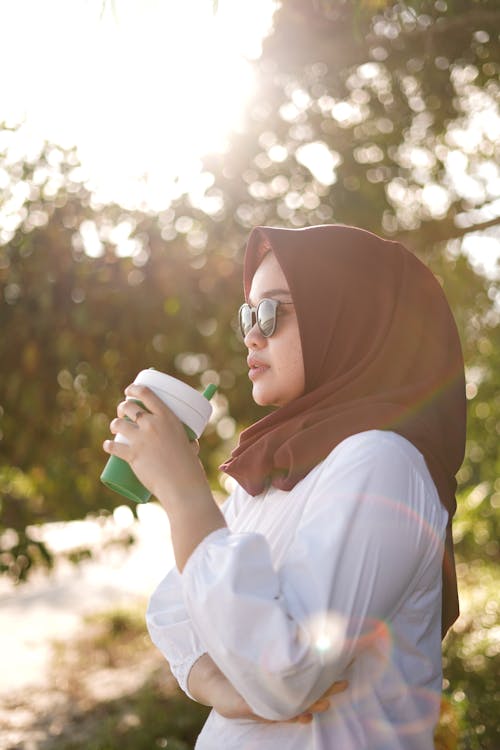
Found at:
[379, 114]
[78, 328]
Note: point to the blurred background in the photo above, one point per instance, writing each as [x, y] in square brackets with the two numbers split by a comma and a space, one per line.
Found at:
[140, 141]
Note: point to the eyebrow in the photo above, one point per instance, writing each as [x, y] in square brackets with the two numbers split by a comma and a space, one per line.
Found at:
[271, 292]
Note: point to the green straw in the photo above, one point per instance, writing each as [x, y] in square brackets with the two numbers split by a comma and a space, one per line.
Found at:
[209, 391]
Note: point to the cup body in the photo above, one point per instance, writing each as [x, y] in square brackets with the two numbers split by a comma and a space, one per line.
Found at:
[187, 404]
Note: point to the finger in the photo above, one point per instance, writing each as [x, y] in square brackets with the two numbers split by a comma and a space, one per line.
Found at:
[125, 427]
[120, 450]
[323, 704]
[304, 718]
[337, 687]
[195, 445]
[150, 400]
[131, 408]
[123, 409]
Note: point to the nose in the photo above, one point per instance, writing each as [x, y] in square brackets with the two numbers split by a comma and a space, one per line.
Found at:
[254, 338]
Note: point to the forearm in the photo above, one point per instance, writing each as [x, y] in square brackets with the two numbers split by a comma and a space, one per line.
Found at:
[208, 685]
[191, 520]
[201, 678]
[273, 670]
[162, 458]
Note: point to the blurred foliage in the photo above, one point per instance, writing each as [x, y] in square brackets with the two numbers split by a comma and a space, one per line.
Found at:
[378, 114]
[471, 660]
[108, 689]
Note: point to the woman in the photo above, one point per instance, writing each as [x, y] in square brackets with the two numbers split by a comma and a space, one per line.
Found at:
[324, 566]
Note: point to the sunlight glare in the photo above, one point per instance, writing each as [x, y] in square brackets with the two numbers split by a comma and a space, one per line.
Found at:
[326, 632]
[143, 91]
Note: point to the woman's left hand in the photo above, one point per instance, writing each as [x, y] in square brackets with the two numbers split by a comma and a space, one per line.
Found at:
[159, 451]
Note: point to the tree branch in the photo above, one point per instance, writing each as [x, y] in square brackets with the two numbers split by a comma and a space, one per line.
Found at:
[432, 232]
[473, 19]
[470, 19]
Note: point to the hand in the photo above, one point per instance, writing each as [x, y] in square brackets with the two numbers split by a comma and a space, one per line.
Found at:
[322, 704]
[159, 451]
[161, 456]
[229, 703]
[208, 685]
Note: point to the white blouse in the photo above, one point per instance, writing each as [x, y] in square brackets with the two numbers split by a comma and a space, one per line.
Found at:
[340, 578]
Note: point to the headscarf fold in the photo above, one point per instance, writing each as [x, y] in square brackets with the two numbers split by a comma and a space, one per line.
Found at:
[381, 351]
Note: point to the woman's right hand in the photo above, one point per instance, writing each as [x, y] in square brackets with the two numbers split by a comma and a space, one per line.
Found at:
[209, 686]
[322, 704]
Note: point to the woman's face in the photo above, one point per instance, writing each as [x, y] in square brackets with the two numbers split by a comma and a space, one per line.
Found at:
[276, 367]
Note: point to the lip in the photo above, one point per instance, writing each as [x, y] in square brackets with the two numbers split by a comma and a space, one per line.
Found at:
[256, 368]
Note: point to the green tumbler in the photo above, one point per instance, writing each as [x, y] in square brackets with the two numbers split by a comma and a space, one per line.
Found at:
[190, 406]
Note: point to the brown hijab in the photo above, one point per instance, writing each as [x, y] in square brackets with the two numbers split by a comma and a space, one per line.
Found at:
[381, 351]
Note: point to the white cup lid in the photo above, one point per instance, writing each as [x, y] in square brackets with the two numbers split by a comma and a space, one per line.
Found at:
[190, 406]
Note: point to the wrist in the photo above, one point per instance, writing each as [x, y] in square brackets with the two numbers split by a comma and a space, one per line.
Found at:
[176, 495]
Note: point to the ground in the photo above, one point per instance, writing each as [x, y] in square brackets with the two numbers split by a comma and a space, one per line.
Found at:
[106, 688]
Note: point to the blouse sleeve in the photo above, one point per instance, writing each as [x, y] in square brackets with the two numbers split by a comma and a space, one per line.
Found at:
[171, 630]
[283, 636]
[170, 626]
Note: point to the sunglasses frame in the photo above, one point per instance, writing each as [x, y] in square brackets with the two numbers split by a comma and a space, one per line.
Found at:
[254, 311]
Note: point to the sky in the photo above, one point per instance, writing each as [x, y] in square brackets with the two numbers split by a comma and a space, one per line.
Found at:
[143, 88]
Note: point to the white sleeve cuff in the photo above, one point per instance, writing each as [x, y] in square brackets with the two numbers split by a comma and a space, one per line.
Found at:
[182, 669]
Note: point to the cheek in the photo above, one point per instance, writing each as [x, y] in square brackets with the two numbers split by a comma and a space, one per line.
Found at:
[297, 368]
[291, 366]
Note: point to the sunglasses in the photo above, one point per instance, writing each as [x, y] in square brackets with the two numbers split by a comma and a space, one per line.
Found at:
[264, 315]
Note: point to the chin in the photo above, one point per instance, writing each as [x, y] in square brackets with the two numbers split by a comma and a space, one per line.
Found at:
[262, 398]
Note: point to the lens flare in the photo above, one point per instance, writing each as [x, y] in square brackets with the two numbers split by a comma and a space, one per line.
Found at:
[415, 711]
[326, 632]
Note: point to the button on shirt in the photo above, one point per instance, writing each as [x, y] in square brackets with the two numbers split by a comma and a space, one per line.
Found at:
[339, 578]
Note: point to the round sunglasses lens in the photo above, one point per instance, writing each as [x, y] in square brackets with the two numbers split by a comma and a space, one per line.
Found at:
[245, 319]
[266, 317]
